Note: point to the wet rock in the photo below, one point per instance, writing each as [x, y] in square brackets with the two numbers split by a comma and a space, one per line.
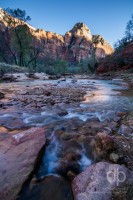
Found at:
[1, 105]
[51, 102]
[12, 122]
[104, 144]
[63, 79]
[66, 136]
[3, 136]
[68, 158]
[112, 125]
[71, 175]
[3, 129]
[121, 114]
[64, 167]
[93, 119]
[39, 97]
[47, 93]
[1, 95]
[100, 181]
[32, 75]
[54, 77]
[62, 112]
[18, 155]
[73, 81]
[125, 130]
[51, 187]
[8, 78]
[72, 157]
[114, 157]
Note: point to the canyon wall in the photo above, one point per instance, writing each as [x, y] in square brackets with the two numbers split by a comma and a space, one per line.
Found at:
[77, 44]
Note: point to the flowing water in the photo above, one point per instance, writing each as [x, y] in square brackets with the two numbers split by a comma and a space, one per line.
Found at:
[63, 155]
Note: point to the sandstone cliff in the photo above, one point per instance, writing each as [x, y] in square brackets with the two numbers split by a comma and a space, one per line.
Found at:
[77, 44]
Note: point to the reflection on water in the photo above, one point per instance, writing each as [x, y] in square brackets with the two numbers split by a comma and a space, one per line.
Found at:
[100, 96]
[104, 101]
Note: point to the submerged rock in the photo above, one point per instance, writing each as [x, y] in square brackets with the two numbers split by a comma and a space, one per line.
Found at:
[62, 112]
[18, 155]
[11, 122]
[1, 95]
[103, 181]
[125, 130]
[104, 144]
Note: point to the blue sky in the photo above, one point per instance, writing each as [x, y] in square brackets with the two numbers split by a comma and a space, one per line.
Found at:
[105, 17]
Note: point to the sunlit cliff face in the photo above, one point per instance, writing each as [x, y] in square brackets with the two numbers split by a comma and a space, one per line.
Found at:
[4, 19]
[80, 29]
[76, 45]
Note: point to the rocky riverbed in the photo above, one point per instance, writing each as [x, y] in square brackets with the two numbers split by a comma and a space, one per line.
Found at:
[56, 133]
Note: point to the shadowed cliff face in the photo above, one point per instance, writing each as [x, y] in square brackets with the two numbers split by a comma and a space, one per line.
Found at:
[118, 61]
[77, 44]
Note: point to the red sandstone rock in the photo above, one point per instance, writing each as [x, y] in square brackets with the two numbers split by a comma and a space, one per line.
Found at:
[75, 45]
[18, 154]
[100, 181]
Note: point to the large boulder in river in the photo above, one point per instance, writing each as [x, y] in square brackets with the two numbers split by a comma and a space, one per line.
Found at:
[18, 154]
[104, 181]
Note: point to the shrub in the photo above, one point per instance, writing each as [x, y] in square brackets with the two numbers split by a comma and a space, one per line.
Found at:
[6, 68]
[53, 67]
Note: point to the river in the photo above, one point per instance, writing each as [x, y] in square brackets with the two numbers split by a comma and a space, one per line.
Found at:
[69, 147]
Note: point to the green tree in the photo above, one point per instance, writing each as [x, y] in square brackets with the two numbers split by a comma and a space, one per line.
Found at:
[20, 39]
[128, 37]
[22, 45]
[17, 13]
[129, 29]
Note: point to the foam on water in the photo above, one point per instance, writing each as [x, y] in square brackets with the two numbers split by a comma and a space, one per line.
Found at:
[84, 161]
[83, 117]
[27, 118]
[50, 159]
[6, 115]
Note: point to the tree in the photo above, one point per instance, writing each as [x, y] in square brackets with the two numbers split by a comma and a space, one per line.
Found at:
[7, 53]
[129, 30]
[35, 49]
[17, 13]
[24, 47]
[120, 44]
[128, 37]
[20, 38]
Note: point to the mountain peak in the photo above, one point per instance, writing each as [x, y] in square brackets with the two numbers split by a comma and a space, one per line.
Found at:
[80, 25]
[81, 29]
[2, 13]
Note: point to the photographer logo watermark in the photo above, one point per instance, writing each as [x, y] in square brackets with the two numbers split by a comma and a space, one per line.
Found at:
[116, 176]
